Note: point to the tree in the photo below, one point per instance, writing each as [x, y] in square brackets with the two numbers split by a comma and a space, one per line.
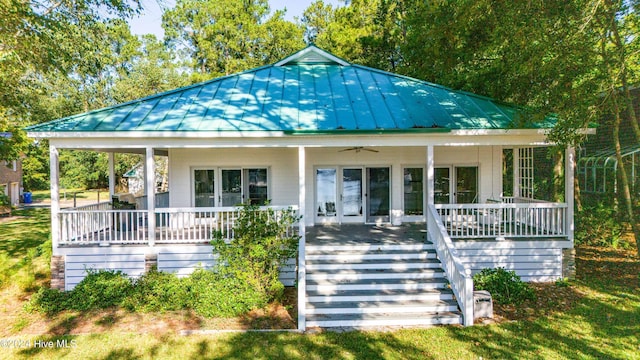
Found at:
[224, 37]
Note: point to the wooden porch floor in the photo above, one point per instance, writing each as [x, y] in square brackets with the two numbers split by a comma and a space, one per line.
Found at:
[354, 234]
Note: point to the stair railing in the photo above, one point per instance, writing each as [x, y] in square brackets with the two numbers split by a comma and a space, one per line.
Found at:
[458, 274]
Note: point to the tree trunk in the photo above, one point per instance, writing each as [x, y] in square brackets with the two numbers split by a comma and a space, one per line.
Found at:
[624, 179]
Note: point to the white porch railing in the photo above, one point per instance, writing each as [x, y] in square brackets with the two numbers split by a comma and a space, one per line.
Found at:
[82, 227]
[459, 276]
[499, 220]
[173, 225]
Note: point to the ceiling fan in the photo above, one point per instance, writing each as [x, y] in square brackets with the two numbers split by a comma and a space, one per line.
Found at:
[357, 149]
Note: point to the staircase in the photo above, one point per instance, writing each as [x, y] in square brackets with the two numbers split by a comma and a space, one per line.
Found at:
[377, 285]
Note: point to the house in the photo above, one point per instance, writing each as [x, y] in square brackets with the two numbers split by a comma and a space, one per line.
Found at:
[398, 182]
[11, 177]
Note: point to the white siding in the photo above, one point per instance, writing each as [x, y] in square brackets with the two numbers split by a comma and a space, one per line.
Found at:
[179, 259]
[281, 162]
[129, 260]
[531, 260]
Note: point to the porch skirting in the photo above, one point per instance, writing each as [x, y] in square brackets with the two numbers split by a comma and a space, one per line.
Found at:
[532, 260]
[70, 266]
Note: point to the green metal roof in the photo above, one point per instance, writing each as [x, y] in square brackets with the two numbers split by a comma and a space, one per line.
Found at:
[309, 92]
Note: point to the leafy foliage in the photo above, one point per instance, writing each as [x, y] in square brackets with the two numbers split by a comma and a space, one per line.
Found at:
[215, 295]
[262, 242]
[100, 289]
[504, 285]
[599, 224]
[158, 291]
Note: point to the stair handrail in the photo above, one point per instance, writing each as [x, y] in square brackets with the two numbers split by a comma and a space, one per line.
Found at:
[458, 274]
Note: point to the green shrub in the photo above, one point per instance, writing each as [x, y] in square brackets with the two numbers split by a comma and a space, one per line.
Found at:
[505, 286]
[216, 295]
[157, 291]
[48, 301]
[262, 243]
[100, 289]
[599, 225]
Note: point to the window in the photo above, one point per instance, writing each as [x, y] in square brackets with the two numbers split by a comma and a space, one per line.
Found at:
[234, 187]
[256, 186]
[413, 191]
[204, 188]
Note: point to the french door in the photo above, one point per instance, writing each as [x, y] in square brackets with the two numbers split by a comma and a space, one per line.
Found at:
[456, 184]
[352, 194]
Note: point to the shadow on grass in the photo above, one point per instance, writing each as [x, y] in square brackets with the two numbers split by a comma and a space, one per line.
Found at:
[604, 324]
[27, 232]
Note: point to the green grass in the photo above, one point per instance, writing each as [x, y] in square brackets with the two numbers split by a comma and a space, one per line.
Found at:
[45, 195]
[604, 324]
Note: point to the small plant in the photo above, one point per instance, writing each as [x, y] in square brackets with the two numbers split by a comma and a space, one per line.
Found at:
[505, 286]
[48, 301]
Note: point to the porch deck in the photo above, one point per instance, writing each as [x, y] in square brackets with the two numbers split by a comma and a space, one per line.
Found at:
[357, 234]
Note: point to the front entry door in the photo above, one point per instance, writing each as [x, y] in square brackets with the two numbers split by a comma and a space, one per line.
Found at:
[378, 194]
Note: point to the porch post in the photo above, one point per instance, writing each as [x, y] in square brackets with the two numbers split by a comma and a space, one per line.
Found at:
[150, 190]
[430, 176]
[112, 175]
[54, 176]
[516, 172]
[569, 170]
[302, 282]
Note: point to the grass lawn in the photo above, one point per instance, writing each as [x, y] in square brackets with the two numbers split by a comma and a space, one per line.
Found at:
[597, 316]
[45, 195]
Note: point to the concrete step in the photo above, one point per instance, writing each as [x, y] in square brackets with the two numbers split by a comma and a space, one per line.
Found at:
[385, 319]
[337, 296]
[382, 307]
[403, 264]
[325, 285]
[361, 274]
[368, 247]
[345, 256]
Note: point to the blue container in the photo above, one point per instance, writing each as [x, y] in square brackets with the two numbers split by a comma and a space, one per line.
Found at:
[27, 197]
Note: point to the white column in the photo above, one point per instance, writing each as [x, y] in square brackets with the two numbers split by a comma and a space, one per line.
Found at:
[430, 176]
[516, 172]
[302, 282]
[54, 177]
[569, 171]
[150, 190]
[112, 175]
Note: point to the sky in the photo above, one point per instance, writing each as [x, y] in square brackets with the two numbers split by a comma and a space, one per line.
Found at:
[150, 21]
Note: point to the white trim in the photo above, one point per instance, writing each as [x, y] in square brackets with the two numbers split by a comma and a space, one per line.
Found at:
[130, 144]
[54, 171]
[310, 49]
[150, 190]
[570, 165]
[541, 133]
[430, 178]
[302, 272]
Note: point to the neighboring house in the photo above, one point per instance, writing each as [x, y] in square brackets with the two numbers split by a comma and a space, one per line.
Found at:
[597, 165]
[355, 150]
[11, 177]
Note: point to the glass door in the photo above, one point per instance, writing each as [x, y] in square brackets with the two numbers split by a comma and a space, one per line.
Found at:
[204, 188]
[256, 186]
[231, 192]
[466, 184]
[351, 195]
[442, 185]
[326, 195]
[378, 194]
